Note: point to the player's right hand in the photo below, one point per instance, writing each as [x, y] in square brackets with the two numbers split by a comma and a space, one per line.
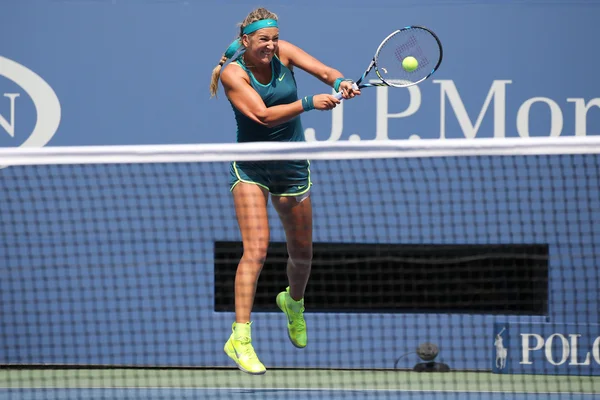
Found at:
[324, 102]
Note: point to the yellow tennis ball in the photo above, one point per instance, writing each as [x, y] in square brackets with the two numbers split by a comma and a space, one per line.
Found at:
[410, 64]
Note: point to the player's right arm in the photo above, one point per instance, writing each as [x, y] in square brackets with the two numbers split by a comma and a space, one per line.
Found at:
[242, 95]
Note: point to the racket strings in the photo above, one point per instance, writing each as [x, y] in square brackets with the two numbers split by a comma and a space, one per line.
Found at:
[412, 42]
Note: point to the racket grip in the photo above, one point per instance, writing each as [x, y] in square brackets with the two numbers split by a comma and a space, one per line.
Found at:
[338, 95]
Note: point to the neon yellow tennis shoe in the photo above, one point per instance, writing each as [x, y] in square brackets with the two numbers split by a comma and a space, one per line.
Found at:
[239, 349]
[294, 311]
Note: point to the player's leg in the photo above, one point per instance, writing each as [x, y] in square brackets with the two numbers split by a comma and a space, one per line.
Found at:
[290, 189]
[250, 202]
[296, 217]
[251, 211]
[295, 213]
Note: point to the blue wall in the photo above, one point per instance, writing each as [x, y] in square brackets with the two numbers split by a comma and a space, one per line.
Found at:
[137, 72]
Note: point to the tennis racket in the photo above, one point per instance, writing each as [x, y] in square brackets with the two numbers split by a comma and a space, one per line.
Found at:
[411, 41]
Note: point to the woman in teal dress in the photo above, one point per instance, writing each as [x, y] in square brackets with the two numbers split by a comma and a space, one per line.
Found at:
[260, 85]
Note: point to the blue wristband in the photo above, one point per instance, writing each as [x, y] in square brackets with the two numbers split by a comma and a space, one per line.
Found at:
[307, 103]
[336, 84]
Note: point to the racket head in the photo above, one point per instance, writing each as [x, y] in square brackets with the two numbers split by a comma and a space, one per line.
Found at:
[411, 41]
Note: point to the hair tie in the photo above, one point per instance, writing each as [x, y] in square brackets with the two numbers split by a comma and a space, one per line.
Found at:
[233, 48]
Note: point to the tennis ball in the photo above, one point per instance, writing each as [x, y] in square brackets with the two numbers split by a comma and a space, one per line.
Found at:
[410, 64]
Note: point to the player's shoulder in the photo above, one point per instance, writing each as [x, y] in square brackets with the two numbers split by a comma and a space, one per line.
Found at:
[233, 72]
[286, 47]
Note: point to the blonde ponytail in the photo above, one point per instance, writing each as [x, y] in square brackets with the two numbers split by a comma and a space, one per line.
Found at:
[214, 80]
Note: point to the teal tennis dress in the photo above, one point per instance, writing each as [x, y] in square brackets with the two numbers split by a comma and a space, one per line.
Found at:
[280, 178]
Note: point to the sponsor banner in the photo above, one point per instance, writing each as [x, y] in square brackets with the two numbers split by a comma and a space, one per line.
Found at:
[136, 84]
[31, 109]
[546, 348]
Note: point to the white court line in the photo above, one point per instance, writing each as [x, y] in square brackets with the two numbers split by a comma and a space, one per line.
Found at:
[301, 389]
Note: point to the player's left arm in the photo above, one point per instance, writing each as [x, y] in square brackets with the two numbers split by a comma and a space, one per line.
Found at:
[293, 56]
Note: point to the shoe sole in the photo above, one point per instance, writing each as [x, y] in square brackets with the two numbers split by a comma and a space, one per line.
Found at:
[288, 331]
[231, 354]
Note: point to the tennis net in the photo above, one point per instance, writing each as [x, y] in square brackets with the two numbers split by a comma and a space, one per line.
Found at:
[482, 254]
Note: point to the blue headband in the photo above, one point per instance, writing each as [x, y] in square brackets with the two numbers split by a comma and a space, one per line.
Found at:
[263, 23]
[248, 29]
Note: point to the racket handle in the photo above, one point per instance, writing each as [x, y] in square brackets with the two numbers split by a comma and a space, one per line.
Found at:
[338, 95]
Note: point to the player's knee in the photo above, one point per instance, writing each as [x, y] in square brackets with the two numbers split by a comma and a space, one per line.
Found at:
[256, 254]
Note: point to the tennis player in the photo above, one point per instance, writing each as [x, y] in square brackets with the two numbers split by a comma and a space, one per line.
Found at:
[261, 87]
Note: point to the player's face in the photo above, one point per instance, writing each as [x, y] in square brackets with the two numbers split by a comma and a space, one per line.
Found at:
[263, 45]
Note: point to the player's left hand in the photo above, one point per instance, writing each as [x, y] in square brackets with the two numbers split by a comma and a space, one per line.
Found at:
[347, 91]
